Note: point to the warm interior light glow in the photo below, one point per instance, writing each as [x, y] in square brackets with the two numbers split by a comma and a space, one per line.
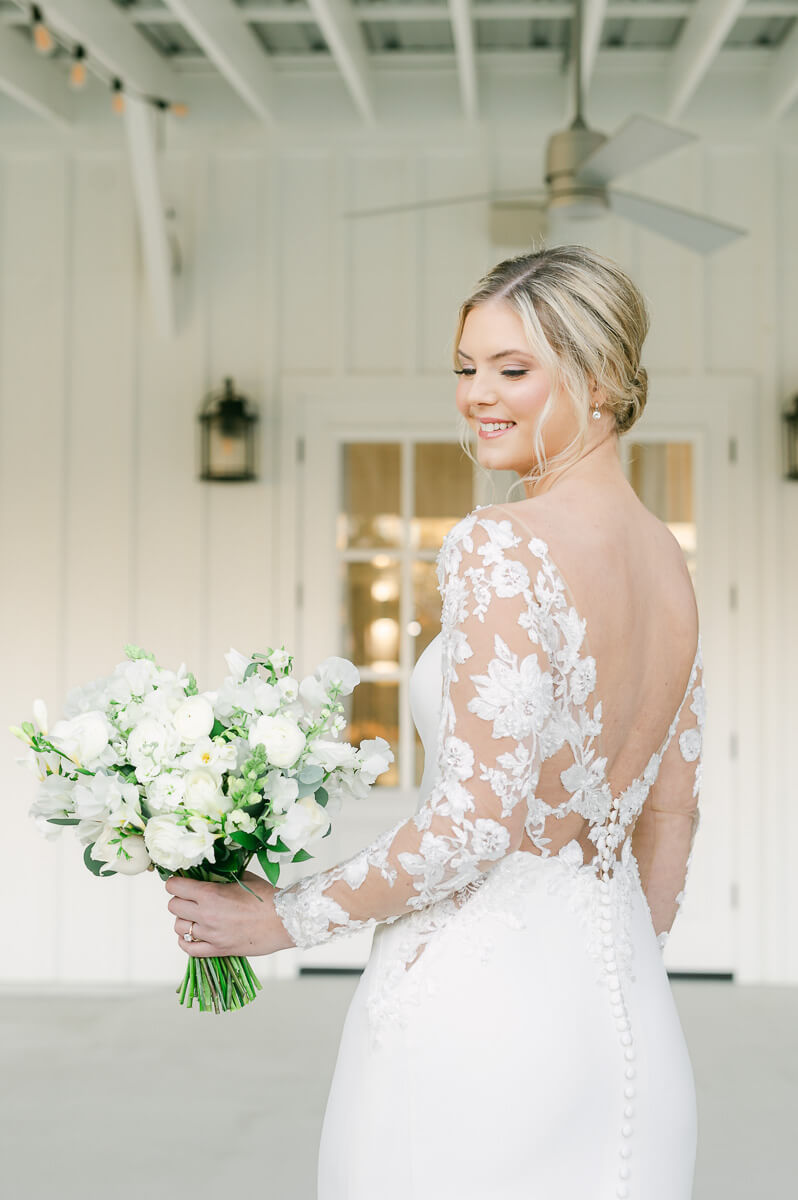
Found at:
[77, 74]
[43, 40]
[179, 110]
[384, 589]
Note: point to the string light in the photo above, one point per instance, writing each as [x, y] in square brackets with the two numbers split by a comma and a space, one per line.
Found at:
[117, 97]
[46, 42]
[43, 40]
[77, 72]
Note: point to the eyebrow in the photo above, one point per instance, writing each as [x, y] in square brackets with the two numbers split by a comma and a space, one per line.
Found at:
[501, 354]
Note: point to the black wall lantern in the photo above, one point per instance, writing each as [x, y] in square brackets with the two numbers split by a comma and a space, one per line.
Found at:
[227, 437]
[791, 441]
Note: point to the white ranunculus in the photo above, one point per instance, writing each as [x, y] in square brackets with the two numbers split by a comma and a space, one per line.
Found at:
[329, 754]
[127, 855]
[281, 737]
[193, 719]
[280, 790]
[165, 792]
[338, 670]
[83, 738]
[375, 756]
[176, 844]
[305, 822]
[204, 795]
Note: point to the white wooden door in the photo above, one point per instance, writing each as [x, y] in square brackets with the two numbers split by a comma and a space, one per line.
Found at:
[708, 416]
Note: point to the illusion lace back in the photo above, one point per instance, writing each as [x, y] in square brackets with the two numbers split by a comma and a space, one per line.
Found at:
[514, 1034]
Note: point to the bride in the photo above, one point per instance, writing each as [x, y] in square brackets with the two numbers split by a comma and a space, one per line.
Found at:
[513, 1034]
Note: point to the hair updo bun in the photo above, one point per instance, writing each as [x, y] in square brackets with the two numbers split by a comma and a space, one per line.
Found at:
[625, 417]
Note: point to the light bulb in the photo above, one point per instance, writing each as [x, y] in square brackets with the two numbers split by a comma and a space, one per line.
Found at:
[117, 98]
[179, 110]
[43, 40]
[77, 72]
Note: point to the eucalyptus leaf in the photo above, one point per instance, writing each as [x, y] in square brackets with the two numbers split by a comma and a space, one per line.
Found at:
[322, 796]
[311, 773]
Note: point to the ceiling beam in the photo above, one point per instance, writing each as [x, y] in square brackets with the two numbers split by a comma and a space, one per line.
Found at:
[461, 17]
[343, 34]
[140, 118]
[115, 43]
[233, 49]
[593, 13]
[783, 76]
[701, 39]
[33, 81]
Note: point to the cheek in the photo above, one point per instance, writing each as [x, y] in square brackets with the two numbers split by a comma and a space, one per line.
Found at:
[529, 400]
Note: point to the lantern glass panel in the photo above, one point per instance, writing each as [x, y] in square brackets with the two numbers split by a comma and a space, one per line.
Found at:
[228, 451]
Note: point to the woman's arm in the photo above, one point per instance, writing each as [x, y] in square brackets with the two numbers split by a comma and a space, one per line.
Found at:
[503, 624]
[665, 830]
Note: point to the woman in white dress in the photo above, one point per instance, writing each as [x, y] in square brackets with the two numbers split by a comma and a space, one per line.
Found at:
[513, 1034]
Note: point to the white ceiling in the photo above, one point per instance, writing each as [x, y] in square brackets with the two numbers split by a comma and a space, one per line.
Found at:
[152, 43]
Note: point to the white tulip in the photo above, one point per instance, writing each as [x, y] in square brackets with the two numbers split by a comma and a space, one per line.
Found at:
[281, 737]
[127, 855]
[304, 822]
[176, 844]
[193, 719]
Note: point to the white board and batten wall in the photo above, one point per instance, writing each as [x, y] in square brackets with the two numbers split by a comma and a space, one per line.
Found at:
[106, 536]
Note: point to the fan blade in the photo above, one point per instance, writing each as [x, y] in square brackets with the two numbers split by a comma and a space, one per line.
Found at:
[687, 228]
[440, 203]
[517, 224]
[638, 141]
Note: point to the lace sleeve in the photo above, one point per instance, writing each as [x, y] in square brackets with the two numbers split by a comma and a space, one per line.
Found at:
[665, 831]
[498, 644]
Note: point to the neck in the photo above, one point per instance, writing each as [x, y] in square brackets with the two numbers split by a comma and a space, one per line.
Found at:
[598, 465]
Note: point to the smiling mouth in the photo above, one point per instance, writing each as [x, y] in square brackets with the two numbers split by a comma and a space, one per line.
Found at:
[494, 429]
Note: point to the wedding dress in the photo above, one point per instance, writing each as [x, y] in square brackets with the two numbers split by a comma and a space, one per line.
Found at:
[513, 1035]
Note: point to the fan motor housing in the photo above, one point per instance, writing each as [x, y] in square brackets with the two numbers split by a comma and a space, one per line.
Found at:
[565, 151]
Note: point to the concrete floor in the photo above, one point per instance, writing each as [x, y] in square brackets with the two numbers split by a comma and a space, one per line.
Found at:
[129, 1096]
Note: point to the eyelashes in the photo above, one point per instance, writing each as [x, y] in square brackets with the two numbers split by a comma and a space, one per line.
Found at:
[469, 373]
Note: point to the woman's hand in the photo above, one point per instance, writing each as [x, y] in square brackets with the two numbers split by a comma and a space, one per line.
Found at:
[226, 919]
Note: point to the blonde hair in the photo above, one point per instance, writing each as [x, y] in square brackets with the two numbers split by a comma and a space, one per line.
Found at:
[586, 321]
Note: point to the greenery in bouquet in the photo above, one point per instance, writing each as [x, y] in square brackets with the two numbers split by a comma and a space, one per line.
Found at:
[155, 775]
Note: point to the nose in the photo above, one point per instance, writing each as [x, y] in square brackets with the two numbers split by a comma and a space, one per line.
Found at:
[480, 393]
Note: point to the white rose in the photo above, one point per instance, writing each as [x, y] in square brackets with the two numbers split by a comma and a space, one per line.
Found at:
[83, 738]
[177, 844]
[193, 719]
[126, 855]
[281, 737]
[329, 754]
[281, 790]
[204, 795]
[304, 822]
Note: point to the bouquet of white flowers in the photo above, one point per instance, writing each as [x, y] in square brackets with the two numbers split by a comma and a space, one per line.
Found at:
[154, 774]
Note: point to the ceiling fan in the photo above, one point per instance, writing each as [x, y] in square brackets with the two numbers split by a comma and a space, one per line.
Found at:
[579, 164]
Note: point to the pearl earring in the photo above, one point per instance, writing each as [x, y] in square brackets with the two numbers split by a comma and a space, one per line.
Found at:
[596, 414]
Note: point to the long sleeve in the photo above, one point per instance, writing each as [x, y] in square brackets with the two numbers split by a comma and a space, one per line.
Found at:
[665, 831]
[498, 642]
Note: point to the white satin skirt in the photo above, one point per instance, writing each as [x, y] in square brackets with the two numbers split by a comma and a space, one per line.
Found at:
[529, 1053]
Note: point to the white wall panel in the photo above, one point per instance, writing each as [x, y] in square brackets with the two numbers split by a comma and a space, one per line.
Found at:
[107, 536]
